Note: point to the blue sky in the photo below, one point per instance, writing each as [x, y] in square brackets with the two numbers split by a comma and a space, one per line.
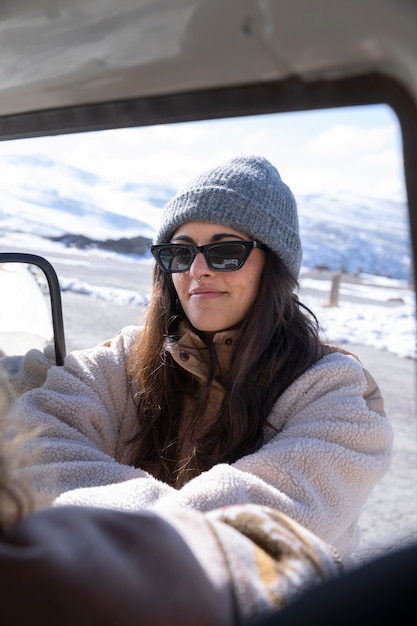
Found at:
[355, 150]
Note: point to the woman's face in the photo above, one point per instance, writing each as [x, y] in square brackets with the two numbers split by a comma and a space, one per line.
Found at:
[219, 300]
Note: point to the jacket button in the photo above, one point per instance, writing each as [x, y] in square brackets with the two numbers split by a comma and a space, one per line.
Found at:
[184, 356]
[229, 341]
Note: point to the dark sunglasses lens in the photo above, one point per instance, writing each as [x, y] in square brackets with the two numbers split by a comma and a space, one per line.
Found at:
[176, 258]
[227, 256]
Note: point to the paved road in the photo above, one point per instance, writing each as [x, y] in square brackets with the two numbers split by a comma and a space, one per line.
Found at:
[390, 515]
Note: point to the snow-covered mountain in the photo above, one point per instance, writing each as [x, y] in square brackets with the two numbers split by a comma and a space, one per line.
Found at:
[356, 234]
[51, 199]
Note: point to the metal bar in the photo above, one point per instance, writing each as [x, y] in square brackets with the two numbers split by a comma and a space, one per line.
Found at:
[54, 294]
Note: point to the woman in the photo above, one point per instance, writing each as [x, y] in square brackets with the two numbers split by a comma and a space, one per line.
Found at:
[226, 396]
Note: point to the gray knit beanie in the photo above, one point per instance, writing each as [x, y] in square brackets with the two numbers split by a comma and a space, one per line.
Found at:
[246, 193]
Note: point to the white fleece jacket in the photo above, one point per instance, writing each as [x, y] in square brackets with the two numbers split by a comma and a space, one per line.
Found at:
[330, 451]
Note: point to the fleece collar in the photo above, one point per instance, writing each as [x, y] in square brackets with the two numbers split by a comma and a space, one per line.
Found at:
[190, 352]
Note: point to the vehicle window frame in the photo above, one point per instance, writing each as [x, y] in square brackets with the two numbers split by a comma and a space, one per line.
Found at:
[288, 96]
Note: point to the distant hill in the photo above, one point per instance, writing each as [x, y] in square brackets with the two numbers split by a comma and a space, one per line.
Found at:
[125, 245]
[347, 232]
[66, 204]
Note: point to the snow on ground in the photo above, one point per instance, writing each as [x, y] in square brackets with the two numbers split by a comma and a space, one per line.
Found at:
[384, 317]
[377, 311]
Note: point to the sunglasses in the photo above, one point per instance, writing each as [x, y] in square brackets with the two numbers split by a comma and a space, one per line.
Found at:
[228, 256]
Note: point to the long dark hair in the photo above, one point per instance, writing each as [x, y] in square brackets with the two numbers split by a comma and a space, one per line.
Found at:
[277, 341]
